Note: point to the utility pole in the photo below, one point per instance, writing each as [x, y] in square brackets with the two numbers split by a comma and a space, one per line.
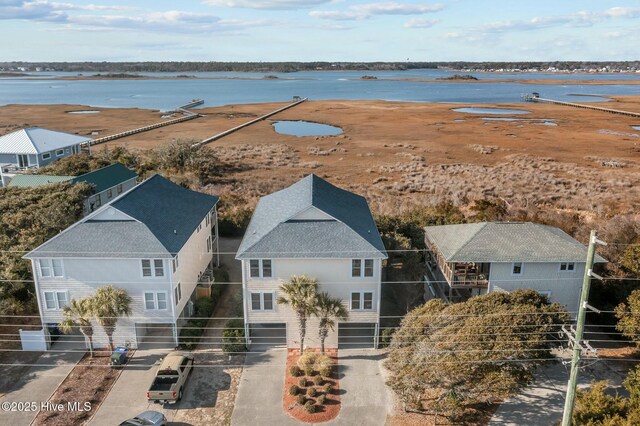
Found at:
[577, 347]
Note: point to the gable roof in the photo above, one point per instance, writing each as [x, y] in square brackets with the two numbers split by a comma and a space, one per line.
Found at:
[106, 177]
[36, 180]
[506, 242]
[163, 217]
[274, 231]
[35, 140]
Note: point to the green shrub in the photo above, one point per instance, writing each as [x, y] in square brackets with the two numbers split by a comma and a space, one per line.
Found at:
[327, 388]
[317, 380]
[295, 371]
[385, 337]
[315, 361]
[302, 382]
[293, 390]
[300, 399]
[321, 399]
[311, 392]
[204, 307]
[233, 339]
[190, 335]
[310, 407]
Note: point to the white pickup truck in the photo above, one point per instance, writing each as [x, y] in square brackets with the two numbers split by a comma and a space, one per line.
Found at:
[171, 378]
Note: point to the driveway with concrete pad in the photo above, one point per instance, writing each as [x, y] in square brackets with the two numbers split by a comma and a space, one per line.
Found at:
[41, 381]
[259, 399]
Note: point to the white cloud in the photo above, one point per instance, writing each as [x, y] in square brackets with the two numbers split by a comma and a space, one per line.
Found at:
[622, 12]
[267, 4]
[421, 23]
[365, 11]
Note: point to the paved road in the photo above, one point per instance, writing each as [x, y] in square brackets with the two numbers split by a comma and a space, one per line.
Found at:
[259, 399]
[41, 381]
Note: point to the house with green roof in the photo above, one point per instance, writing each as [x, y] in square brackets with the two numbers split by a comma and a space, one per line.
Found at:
[108, 183]
[470, 259]
[316, 229]
[158, 241]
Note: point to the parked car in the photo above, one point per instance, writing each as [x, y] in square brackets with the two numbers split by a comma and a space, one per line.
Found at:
[147, 418]
[171, 378]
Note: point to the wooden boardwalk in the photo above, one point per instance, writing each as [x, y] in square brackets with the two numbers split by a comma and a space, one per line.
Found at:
[583, 106]
[248, 123]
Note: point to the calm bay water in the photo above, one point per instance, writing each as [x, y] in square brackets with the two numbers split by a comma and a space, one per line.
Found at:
[242, 88]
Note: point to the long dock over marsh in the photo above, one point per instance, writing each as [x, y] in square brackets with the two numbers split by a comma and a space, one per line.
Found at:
[583, 106]
[248, 123]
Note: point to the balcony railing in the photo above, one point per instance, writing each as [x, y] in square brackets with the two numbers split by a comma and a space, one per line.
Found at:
[455, 276]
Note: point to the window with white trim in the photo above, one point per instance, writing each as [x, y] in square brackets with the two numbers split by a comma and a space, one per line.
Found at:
[152, 267]
[155, 300]
[46, 155]
[59, 152]
[209, 244]
[361, 301]
[109, 193]
[357, 269]
[545, 293]
[262, 301]
[178, 293]
[260, 268]
[517, 268]
[98, 200]
[567, 266]
[55, 300]
[51, 268]
[119, 189]
[174, 263]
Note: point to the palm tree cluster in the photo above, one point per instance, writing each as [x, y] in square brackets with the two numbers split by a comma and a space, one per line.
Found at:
[107, 305]
[301, 293]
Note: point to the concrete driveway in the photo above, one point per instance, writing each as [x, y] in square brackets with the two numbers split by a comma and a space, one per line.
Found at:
[259, 399]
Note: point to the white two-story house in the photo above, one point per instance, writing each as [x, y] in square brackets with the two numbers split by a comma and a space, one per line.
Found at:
[156, 241]
[477, 258]
[315, 229]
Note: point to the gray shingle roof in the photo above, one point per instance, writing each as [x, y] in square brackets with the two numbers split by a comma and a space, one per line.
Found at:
[107, 177]
[272, 233]
[506, 242]
[165, 216]
[120, 239]
[35, 140]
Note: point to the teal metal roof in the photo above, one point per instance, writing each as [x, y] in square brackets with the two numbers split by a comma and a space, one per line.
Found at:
[26, 181]
[106, 177]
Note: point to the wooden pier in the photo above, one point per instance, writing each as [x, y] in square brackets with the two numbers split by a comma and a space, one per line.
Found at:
[583, 106]
[188, 115]
[248, 123]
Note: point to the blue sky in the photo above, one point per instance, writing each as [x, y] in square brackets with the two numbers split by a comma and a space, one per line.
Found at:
[328, 30]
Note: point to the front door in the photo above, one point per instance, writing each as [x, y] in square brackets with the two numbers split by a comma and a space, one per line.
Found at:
[23, 160]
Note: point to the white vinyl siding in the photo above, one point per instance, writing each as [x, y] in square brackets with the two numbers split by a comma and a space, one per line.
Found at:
[260, 268]
[55, 300]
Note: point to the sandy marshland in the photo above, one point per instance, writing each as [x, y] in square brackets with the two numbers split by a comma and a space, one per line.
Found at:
[401, 154]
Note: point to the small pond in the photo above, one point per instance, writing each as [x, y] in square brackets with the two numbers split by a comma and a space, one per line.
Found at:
[88, 111]
[305, 128]
[473, 110]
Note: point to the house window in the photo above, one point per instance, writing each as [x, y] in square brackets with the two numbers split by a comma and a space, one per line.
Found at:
[516, 268]
[158, 268]
[55, 300]
[357, 269]
[362, 301]
[59, 152]
[155, 300]
[207, 219]
[262, 301]
[199, 227]
[46, 155]
[567, 266]
[51, 268]
[119, 189]
[209, 244]
[260, 268]
[174, 263]
[178, 293]
[109, 193]
[545, 293]
[98, 200]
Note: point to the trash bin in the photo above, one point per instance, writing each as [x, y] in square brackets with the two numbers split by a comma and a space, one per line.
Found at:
[118, 356]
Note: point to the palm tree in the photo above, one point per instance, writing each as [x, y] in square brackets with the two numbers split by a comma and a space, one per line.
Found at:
[300, 292]
[109, 304]
[78, 313]
[328, 309]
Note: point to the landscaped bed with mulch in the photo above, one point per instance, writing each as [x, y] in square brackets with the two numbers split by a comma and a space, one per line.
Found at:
[80, 394]
[312, 387]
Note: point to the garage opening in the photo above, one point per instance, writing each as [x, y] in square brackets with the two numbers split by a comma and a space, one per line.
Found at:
[268, 335]
[155, 335]
[353, 335]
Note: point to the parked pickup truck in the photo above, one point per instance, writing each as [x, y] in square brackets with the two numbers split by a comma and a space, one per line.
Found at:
[171, 378]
